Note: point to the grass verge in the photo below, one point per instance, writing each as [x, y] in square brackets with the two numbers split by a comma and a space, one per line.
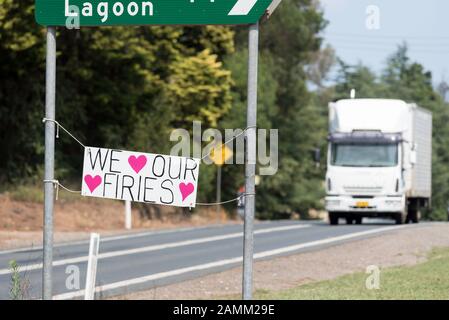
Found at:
[428, 280]
[35, 194]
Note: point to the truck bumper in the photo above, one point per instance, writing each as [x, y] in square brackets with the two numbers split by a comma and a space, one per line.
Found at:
[365, 205]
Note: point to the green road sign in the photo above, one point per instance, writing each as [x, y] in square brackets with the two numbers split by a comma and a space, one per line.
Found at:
[155, 12]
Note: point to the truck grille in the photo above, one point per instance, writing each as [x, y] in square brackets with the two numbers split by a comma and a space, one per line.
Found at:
[362, 190]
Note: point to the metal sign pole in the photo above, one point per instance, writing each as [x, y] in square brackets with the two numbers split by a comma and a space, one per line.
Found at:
[50, 96]
[250, 162]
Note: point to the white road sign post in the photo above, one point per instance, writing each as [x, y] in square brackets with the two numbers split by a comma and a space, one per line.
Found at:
[91, 276]
[128, 215]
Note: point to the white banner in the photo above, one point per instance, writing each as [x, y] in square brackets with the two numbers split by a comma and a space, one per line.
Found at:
[140, 177]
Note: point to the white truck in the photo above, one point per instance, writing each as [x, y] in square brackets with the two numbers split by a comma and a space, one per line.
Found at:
[379, 160]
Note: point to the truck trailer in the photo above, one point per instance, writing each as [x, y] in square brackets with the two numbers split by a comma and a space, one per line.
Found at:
[379, 161]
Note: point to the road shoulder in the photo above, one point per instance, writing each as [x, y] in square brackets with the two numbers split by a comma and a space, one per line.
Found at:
[402, 247]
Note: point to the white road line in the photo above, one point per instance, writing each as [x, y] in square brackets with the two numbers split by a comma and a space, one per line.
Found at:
[260, 255]
[118, 237]
[156, 247]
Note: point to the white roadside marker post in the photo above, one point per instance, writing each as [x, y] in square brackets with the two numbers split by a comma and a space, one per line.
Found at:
[91, 277]
[128, 215]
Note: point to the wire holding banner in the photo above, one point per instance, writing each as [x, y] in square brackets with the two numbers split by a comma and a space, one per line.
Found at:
[232, 139]
[58, 125]
[58, 185]
[225, 202]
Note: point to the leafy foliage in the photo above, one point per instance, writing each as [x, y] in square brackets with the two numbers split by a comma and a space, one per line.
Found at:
[121, 87]
[19, 288]
[284, 103]
[200, 89]
[128, 87]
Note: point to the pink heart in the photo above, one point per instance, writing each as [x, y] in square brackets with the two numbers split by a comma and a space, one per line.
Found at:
[137, 163]
[92, 182]
[186, 190]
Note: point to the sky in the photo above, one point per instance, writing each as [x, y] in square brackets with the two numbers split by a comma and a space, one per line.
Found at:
[368, 31]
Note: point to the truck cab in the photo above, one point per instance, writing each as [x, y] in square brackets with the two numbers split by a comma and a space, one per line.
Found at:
[374, 168]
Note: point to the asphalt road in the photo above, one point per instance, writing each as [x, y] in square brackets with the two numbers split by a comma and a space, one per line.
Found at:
[145, 260]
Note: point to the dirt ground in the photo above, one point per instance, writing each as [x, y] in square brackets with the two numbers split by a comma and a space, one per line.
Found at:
[401, 247]
[21, 222]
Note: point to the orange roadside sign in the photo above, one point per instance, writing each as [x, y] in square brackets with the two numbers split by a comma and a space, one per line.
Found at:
[221, 154]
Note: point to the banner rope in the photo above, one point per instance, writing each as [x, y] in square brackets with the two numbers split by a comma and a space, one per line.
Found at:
[58, 125]
[232, 139]
[225, 202]
[58, 185]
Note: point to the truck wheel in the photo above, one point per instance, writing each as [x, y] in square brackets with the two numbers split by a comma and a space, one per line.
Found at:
[418, 216]
[358, 220]
[333, 218]
[349, 220]
[413, 216]
[400, 218]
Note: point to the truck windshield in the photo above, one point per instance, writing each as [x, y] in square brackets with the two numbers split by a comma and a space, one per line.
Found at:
[366, 155]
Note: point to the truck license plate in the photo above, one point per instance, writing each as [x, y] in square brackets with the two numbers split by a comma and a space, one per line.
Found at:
[362, 204]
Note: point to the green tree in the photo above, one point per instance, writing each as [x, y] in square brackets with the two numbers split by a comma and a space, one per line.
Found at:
[112, 91]
[22, 71]
[286, 43]
[199, 88]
